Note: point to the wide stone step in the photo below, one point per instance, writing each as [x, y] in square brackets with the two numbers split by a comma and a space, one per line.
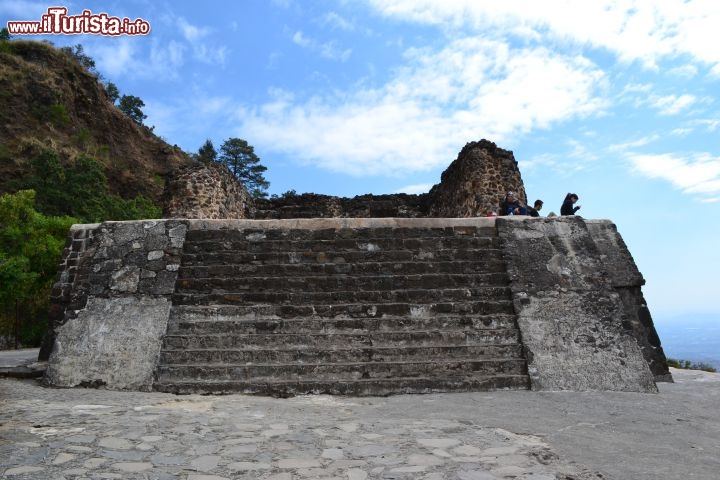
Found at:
[257, 234]
[477, 266]
[241, 257]
[339, 282]
[258, 244]
[340, 355]
[344, 371]
[198, 323]
[353, 310]
[363, 387]
[343, 296]
[226, 341]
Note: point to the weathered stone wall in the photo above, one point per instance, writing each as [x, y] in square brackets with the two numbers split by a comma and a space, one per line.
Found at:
[476, 182]
[573, 322]
[473, 185]
[627, 281]
[206, 191]
[65, 284]
[311, 205]
[576, 292]
[112, 302]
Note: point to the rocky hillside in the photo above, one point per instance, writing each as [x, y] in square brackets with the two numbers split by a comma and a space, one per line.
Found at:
[48, 101]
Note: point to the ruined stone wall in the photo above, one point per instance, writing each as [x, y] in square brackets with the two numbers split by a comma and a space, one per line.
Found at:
[574, 323]
[576, 293]
[473, 185]
[112, 301]
[311, 205]
[206, 191]
[627, 281]
[476, 182]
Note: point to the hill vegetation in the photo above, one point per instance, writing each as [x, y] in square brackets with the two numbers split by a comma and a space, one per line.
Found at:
[72, 150]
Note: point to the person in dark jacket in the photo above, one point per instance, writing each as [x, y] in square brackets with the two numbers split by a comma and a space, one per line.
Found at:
[511, 206]
[534, 211]
[568, 206]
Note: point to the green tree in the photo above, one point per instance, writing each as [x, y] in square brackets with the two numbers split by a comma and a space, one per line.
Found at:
[78, 53]
[207, 153]
[30, 248]
[132, 107]
[4, 35]
[81, 190]
[112, 91]
[240, 158]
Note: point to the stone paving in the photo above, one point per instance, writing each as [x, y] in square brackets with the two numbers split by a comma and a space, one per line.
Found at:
[97, 434]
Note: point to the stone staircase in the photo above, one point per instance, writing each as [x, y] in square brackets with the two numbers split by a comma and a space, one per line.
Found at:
[353, 311]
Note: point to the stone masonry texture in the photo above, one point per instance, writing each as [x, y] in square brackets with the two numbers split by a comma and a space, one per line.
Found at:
[573, 321]
[206, 191]
[576, 327]
[111, 302]
[473, 185]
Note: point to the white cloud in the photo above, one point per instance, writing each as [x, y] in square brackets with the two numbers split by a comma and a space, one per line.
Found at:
[115, 58]
[710, 124]
[470, 89]
[640, 142]
[415, 189]
[165, 59]
[697, 175]
[687, 71]
[187, 117]
[336, 21]
[672, 104]
[328, 50]
[191, 33]
[300, 39]
[641, 31]
[681, 132]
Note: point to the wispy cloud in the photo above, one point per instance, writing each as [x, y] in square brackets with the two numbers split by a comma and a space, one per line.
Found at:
[472, 88]
[199, 112]
[192, 33]
[416, 189]
[335, 21]
[329, 50]
[672, 104]
[698, 174]
[635, 31]
[627, 146]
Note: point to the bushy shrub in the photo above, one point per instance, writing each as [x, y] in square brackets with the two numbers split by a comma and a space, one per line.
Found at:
[30, 248]
[688, 365]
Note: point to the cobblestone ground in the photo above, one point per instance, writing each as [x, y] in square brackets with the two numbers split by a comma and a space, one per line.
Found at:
[96, 434]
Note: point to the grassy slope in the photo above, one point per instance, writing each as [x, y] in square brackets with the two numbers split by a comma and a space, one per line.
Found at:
[48, 100]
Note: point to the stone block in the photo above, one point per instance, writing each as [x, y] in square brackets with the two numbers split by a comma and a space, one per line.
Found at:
[113, 342]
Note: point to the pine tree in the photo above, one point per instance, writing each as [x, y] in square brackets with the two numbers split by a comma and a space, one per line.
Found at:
[207, 153]
[240, 158]
[132, 107]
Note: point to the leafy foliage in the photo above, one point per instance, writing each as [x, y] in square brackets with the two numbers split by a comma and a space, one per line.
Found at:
[78, 53]
[81, 190]
[112, 91]
[30, 248]
[240, 158]
[132, 107]
[4, 34]
[688, 365]
[207, 153]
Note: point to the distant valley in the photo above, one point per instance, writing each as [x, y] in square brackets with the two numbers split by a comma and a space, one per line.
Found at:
[691, 337]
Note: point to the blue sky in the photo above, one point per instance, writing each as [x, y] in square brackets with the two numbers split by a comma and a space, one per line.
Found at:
[614, 100]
